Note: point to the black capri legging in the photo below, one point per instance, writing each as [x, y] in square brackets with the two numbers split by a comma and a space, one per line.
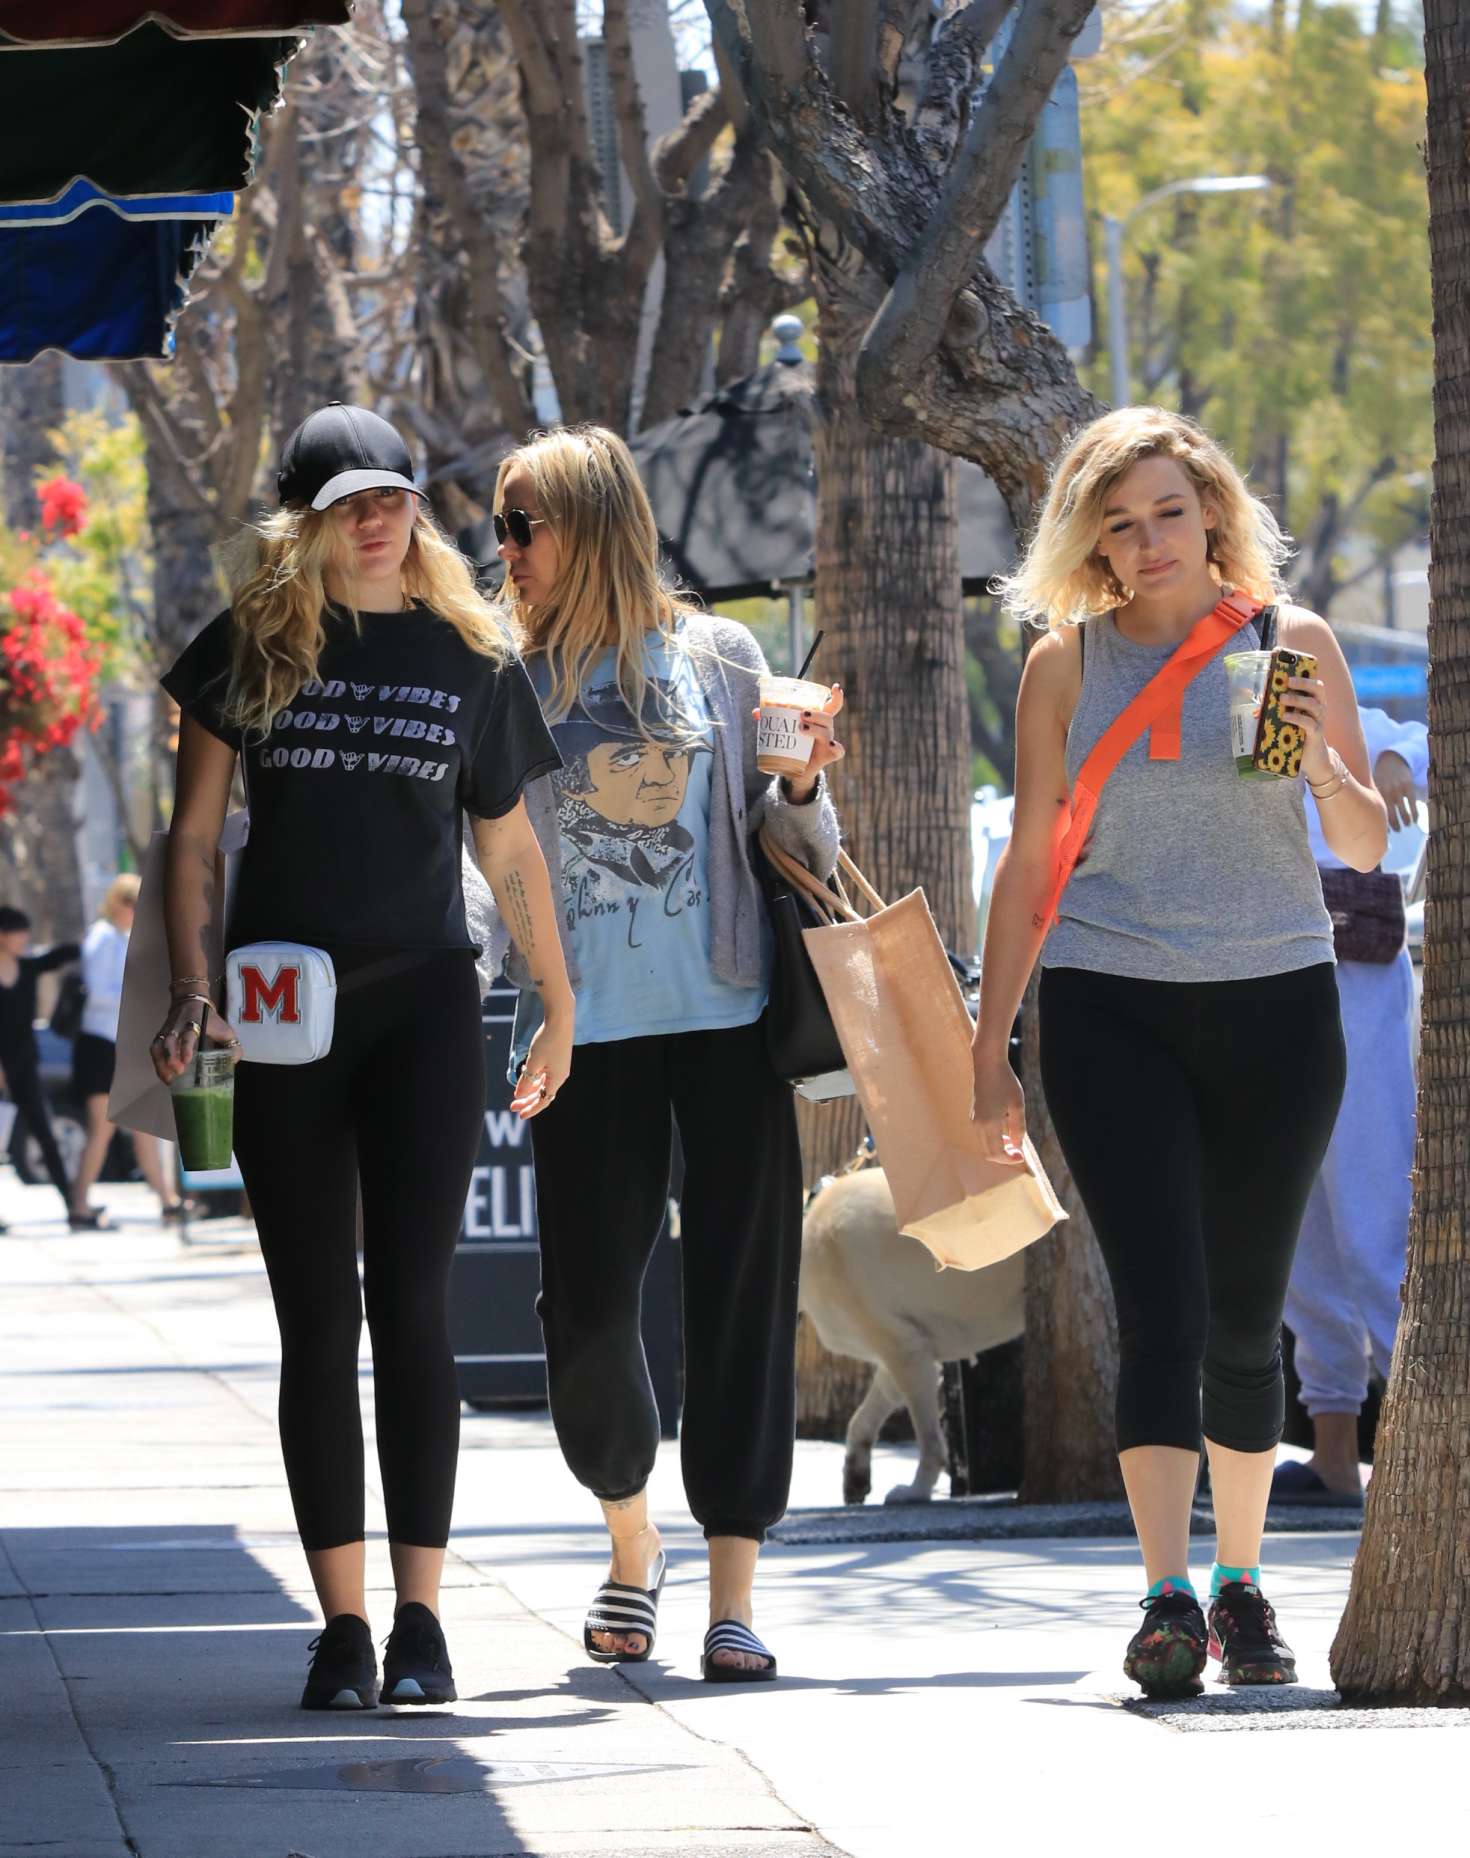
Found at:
[1194, 1117]
[399, 1101]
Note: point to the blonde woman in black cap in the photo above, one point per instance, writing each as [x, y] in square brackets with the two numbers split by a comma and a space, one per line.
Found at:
[372, 699]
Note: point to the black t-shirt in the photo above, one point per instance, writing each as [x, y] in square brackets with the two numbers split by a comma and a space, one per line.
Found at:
[18, 1002]
[358, 792]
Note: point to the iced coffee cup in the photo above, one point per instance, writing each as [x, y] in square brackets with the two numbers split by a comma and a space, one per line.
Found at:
[780, 745]
[204, 1110]
[1246, 674]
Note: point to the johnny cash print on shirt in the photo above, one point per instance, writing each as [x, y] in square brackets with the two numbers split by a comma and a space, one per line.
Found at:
[358, 790]
[633, 809]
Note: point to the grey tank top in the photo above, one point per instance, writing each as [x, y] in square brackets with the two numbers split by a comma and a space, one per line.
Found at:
[1190, 872]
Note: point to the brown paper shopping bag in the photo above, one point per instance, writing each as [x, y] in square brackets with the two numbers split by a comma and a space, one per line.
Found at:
[138, 1100]
[902, 1022]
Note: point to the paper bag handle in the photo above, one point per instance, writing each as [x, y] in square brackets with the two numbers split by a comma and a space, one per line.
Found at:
[835, 905]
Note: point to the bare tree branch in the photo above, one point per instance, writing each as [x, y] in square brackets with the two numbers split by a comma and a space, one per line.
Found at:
[646, 225]
[445, 176]
[677, 154]
[775, 47]
[906, 332]
[853, 57]
[993, 383]
[527, 28]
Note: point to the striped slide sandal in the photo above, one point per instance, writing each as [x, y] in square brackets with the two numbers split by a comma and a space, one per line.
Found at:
[728, 1635]
[618, 1606]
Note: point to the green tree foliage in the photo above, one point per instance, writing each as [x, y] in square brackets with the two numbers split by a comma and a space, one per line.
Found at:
[105, 574]
[1295, 322]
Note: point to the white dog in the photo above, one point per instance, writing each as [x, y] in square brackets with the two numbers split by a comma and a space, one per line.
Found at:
[876, 1294]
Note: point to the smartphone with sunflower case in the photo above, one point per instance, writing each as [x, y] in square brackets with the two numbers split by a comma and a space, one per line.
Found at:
[1279, 743]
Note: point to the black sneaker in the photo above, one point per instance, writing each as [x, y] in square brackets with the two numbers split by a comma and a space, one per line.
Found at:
[344, 1671]
[416, 1659]
[1244, 1638]
[1167, 1653]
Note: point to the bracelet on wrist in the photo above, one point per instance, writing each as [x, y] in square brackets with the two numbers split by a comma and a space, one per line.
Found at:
[186, 984]
[1339, 773]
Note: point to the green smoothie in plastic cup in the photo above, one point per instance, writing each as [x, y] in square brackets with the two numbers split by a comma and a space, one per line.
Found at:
[204, 1111]
[1246, 674]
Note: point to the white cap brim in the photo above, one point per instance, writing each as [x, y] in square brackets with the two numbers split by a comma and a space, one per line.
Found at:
[348, 483]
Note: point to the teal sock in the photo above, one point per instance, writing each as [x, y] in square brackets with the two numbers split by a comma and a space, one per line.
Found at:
[1220, 1574]
[1172, 1583]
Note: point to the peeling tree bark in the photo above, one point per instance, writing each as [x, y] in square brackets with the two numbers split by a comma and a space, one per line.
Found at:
[1405, 1637]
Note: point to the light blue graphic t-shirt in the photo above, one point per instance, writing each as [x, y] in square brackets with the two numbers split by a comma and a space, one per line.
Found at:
[634, 816]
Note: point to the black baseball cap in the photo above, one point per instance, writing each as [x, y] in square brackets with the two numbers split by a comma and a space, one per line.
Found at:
[339, 450]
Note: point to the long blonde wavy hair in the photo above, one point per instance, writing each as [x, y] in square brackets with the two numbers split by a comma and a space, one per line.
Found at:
[609, 583]
[1061, 579]
[278, 571]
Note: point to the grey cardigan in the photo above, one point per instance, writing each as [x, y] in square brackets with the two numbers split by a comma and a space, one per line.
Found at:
[729, 663]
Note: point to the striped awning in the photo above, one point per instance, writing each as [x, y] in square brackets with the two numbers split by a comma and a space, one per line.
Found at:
[98, 278]
[103, 22]
[150, 115]
[124, 146]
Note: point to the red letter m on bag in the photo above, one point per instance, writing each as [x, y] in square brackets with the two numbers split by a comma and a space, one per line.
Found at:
[277, 999]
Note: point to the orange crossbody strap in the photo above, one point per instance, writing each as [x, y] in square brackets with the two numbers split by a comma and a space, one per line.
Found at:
[1162, 692]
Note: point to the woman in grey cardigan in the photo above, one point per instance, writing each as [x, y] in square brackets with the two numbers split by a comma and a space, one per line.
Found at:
[647, 830]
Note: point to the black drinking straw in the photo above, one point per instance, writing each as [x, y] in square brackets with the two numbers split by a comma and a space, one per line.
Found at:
[806, 663]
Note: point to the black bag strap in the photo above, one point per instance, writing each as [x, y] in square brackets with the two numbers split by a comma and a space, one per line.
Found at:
[384, 969]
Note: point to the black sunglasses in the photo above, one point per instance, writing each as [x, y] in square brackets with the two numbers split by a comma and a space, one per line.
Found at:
[516, 525]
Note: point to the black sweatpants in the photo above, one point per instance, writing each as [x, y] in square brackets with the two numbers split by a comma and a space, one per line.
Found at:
[1194, 1117]
[602, 1180]
[397, 1101]
[23, 1081]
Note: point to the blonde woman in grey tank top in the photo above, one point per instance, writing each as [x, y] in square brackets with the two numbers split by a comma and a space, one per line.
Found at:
[1191, 1046]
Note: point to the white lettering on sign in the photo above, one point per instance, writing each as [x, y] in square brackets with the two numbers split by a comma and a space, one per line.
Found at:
[501, 1204]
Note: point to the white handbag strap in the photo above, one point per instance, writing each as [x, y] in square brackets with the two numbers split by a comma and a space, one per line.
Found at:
[834, 905]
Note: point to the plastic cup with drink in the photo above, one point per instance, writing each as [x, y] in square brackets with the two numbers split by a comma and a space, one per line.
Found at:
[781, 746]
[1246, 674]
[204, 1110]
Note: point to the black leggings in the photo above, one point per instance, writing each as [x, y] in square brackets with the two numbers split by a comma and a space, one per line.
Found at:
[23, 1080]
[602, 1181]
[1194, 1117]
[398, 1101]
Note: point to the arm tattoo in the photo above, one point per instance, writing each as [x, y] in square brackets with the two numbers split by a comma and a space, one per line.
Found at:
[518, 909]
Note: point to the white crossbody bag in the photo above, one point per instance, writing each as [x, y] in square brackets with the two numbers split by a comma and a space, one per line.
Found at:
[281, 998]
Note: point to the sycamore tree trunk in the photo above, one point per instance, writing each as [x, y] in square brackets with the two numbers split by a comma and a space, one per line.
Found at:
[888, 600]
[1405, 1637]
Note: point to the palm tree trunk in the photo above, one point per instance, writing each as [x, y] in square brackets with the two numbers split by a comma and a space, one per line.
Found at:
[1405, 1637]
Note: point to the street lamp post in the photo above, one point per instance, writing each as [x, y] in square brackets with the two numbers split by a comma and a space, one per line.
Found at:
[1113, 230]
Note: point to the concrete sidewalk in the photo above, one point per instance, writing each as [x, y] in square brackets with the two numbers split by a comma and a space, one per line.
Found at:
[155, 1612]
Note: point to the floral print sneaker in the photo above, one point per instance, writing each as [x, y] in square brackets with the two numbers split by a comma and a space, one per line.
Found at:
[1167, 1653]
[1244, 1638]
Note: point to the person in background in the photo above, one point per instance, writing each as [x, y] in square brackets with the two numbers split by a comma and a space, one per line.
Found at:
[21, 1062]
[104, 956]
[1342, 1304]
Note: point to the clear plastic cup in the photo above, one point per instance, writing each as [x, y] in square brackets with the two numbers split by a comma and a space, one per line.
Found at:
[780, 746]
[204, 1110]
[1246, 674]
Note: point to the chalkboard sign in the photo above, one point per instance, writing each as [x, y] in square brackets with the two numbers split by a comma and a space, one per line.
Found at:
[496, 1274]
[498, 1349]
